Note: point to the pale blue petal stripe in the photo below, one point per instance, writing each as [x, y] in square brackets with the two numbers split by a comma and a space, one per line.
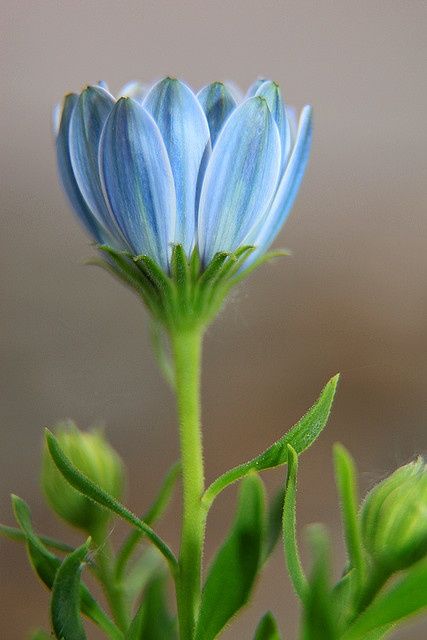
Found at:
[217, 102]
[255, 86]
[137, 180]
[241, 178]
[185, 132]
[271, 92]
[288, 187]
[66, 173]
[89, 116]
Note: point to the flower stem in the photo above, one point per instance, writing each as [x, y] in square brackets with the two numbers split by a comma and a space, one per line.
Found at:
[186, 349]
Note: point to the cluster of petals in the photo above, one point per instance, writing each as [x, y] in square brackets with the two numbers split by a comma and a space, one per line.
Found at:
[163, 165]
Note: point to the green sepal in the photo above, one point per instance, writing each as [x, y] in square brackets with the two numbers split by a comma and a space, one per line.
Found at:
[300, 437]
[46, 566]
[65, 602]
[153, 620]
[190, 293]
[233, 571]
[402, 600]
[267, 628]
[319, 621]
[91, 490]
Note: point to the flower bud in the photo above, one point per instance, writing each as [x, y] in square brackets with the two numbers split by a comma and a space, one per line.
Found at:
[394, 518]
[96, 459]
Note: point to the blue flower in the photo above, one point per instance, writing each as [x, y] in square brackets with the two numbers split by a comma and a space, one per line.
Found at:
[163, 166]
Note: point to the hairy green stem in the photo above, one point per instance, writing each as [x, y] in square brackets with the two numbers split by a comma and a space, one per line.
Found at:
[186, 350]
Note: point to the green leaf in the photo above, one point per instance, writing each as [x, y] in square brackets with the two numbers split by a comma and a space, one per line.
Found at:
[65, 603]
[233, 571]
[300, 437]
[290, 544]
[40, 635]
[345, 477]
[153, 620]
[46, 566]
[319, 615]
[91, 490]
[267, 628]
[404, 599]
[152, 515]
[274, 521]
[19, 536]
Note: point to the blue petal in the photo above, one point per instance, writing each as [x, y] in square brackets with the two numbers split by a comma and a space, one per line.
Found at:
[88, 119]
[288, 187]
[271, 92]
[255, 86]
[67, 175]
[217, 103]
[137, 180]
[185, 132]
[240, 180]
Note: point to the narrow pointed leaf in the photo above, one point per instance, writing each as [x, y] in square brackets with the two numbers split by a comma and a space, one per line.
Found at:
[267, 628]
[319, 616]
[290, 543]
[345, 476]
[240, 179]
[403, 600]
[300, 437]
[17, 535]
[88, 488]
[153, 620]
[274, 521]
[65, 604]
[46, 566]
[233, 571]
[185, 132]
[152, 515]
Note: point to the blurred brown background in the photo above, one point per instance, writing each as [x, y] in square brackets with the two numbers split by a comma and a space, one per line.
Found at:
[351, 299]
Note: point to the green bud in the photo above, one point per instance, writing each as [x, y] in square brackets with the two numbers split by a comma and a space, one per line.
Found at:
[96, 459]
[394, 518]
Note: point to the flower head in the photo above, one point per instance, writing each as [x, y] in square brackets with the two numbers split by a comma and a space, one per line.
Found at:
[167, 166]
[163, 167]
[394, 517]
[93, 456]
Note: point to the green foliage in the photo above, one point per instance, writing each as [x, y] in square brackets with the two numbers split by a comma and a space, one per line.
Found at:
[233, 571]
[267, 628]
[46, 565]
[65, 603]
[153, 620]
[95, 493]
[300, 437]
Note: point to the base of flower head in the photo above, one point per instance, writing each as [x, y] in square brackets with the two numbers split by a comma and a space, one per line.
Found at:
[190, 294]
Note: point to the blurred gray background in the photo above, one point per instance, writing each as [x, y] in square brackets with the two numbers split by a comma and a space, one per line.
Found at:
[352, 298]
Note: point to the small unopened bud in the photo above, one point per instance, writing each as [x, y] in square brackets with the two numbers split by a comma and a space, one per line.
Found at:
[394, 518]
[96, 459]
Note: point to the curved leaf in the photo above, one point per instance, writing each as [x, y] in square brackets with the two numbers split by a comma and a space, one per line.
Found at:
[300, 437]
[234, 569]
